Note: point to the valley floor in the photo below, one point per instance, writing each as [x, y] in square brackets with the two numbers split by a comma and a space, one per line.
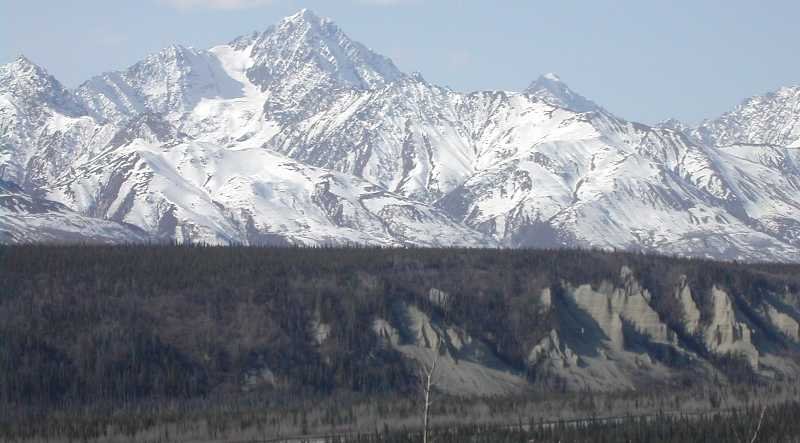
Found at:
[722, 413]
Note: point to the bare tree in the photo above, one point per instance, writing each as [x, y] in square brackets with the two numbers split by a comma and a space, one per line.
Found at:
[760, 422]
[428, 379]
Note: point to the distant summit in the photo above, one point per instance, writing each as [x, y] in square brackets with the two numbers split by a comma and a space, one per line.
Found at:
[551, 89]
[769, 119]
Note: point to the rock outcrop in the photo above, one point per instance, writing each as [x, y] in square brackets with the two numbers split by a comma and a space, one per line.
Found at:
[466, 366]
[691, 314]
[610, 307]
[784, 322]
[725, 334]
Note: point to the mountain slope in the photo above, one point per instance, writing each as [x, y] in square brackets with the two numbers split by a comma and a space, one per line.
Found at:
[195, 192]
[601, 182]
[25, 218]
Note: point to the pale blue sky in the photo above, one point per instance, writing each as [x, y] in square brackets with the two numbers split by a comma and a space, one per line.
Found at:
[644, 60]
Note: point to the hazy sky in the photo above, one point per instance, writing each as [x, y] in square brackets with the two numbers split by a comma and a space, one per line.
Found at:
[644, 60]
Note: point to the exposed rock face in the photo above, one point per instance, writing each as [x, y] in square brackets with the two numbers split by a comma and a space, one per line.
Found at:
[551, 350]
[612, 337]
[466, 366]
[386, 331]
[604, 339]
[691, 314]
[611, 306]
[257, 378]
[784, 322]
[321, 331]
[725, 334]
[546, 299]
[438, 297]
[258, 375]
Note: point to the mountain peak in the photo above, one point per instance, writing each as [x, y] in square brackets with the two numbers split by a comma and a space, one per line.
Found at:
[552, 90]
[28, 81]
[22, 71]
[22, 60]
[307, 21]
[174, 52]
[769, 119]
[673, 124]
[549, 77]
[418, 77]
[175, 48]
[23, 66]
[304, 51]
[304, 15]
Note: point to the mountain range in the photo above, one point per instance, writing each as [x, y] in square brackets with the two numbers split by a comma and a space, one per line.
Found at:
[300, 135]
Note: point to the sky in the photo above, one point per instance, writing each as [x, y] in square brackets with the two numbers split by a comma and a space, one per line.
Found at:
[644, 60]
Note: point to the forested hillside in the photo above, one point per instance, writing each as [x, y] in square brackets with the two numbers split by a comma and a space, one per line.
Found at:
[126, 326]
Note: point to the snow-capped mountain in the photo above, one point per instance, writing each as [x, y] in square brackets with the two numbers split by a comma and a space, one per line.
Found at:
[171, 82]
[771, 119]
[305, 60]
[43, 126]
[299, 134]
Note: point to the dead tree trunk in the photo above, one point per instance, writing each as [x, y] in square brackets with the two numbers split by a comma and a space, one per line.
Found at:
[760, 422]
[428, 374]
